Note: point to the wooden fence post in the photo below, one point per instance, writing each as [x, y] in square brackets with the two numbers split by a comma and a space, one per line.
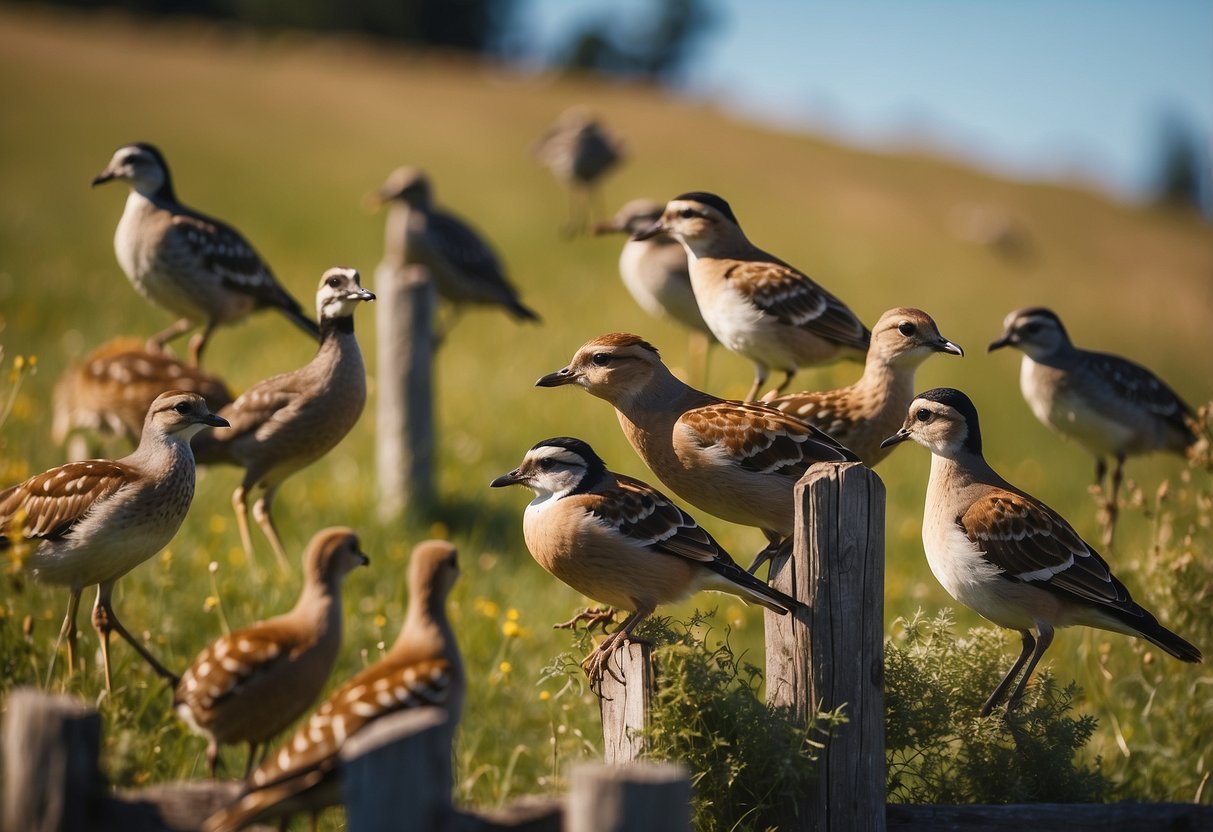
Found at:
[641, 797]
[834, 655]
[625, 705]
[404, 441]
[51, 747]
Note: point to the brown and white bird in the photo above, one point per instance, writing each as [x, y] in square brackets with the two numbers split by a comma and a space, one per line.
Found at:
[578, 151]
[655, 271]
[739, 461]
[620, 541]
[289, 421]
[756, 304]
[1111, 406]
[193, 265]
[91, 522]
[864, 414]
[423, 668]
[250, 684]
[465, 269]
[105, 397]
[1008, 556]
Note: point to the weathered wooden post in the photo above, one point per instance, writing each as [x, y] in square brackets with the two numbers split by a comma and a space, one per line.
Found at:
[641, 797]
[404, 442]
[833, 655]
[625, 705]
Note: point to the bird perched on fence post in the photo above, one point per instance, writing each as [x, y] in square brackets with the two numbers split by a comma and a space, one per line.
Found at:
[1008, 556]
[620, 541]
[422, 668]
[578, 151]
[107, 394]
[865, 413]
[1111, 406]
[655, 271]
[755, 304]
[91, 522]
[289, 421]
[186, 262]
[252, 683]
[465, 269]
[739, 461]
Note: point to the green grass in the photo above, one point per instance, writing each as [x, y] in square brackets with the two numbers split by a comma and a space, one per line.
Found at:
[282, 136]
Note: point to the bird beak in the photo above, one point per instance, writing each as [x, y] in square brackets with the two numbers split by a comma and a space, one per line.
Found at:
[897, 438]
[652, 231]
[365, 558]
[215, 421]
[558, 378]
[103, 177]
[944, 345]
[512, 478]
[1004, 341]
[361, 294]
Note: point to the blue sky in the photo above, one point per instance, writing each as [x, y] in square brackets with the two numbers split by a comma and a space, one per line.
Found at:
[1063, 89]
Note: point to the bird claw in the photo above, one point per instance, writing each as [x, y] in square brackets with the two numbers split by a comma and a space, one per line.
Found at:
[591, 616]
[598, 663]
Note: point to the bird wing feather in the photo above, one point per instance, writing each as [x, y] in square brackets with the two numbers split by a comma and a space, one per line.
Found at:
[794, 299]
[56, 500]
[1137, 384]
[644, 517]
[230, 663]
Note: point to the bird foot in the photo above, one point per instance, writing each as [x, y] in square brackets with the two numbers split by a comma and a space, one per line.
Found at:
[591, 616]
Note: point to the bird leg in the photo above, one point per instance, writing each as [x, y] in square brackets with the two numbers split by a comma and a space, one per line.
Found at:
[212, 758]
[246, 539]
[788, 375]
[598, 662]
[591, 616]
[105, 622]
[261, 513]
[1044, 637]
[198, 344]
[68, 630]
[760, 378]
[775, 546]
[1028, 644]
[180, 327]
[253, 748]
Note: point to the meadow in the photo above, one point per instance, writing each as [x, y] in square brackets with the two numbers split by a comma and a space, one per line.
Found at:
[282, 136]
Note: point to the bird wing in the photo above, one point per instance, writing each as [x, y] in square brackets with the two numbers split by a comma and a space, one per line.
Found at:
[824, 409]
[377, 691]
[1031, 543]
[47, 506]
[1139, 385]
[257, 407]
[222, 250]
[460, 245]
[644, 517]
[762, 439]
[225, 666]
[794, 299]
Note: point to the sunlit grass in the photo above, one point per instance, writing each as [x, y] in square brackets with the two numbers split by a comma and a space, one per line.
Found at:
[282, 136]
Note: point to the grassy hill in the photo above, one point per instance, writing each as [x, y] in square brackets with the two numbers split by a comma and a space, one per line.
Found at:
[282, 136]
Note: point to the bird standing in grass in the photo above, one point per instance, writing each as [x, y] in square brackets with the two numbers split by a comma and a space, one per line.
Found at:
[755, 304]
[865, 413]
[252, 683]
[578, 151]
[106, 396]
[91, 522]
[1008, 556]
[739, 461]
[289, 421]
[465, 269]
[188, 263]
[620, 541]
[1108, 404]
[422, 668]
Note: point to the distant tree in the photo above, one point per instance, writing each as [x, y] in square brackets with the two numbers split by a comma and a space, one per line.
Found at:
[1182, 176]
[659, 51]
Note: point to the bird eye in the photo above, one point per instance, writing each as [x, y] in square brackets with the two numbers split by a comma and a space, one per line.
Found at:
[546, 464]
[687, 213]
[334, 282]
[906, 328]
[923, 415]
[182, 407]
[601, 359]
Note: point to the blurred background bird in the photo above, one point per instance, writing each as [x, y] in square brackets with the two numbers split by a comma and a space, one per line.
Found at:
[579, 151]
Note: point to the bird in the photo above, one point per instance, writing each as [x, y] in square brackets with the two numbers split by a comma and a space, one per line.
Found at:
[287, 422]
[655, 271]
[249, 685]
[578, 151]
[755, 304]
[106, 396]
[1110, 405]
[423, 668]
[464, 268]
[91, 522]
[738, 461]
[192, 265]
[1008, 556]
[620, 541]
[863, 414]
